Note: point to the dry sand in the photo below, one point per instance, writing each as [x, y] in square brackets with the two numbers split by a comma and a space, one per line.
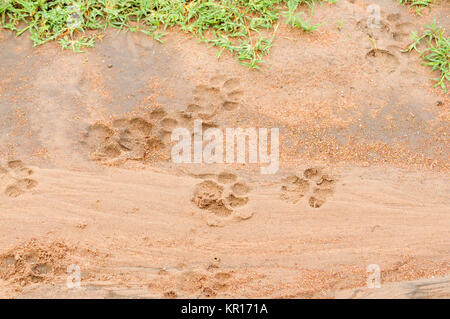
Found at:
[86, 176]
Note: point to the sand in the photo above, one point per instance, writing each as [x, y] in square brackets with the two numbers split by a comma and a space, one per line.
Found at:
[86, 176]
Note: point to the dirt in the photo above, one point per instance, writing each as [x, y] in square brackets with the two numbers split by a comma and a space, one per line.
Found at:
[86, 176]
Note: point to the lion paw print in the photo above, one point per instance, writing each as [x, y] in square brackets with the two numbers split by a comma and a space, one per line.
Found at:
[138, 138]
[389, 35]
[201, 283]
[313, 184]
[219, 94]
[15, 180]
[147, 137]
[144, 138]
[224, 198]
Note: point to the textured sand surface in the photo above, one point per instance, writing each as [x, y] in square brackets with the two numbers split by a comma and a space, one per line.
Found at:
[86, 177]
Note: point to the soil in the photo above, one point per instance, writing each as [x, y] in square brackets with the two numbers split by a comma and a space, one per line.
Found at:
[86, 177]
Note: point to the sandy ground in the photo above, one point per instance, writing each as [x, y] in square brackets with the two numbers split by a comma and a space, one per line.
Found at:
[86, 177]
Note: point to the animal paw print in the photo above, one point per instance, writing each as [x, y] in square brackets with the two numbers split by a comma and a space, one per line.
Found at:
[294, 188]
[15, 180]
[148, 137]
[220, 94]
[196, 282]
[223, 198]
[209, 100]
[389, 37]
[145, 138]
[400, 29]
[33, 262]
[391, 30]
[323, 190]
[141, 138]
[382, 60]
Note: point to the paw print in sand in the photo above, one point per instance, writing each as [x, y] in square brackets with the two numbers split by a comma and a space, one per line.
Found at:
[33, 262]
[143, 138]
[210, 100]
[223, 199]
[294, 189]
[313, 184]
[15, 179]
[147, 137]
[219, 94]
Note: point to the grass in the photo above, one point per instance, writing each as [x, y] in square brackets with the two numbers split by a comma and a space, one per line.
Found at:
[418, 4]
[245, 28]
[294, 18]
[436, 54]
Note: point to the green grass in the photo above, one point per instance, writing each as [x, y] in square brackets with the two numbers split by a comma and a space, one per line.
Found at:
[418, 4]
[294, 18]
[436, 53]
[245, 28]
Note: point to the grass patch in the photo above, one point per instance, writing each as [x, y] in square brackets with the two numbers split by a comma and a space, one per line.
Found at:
[418, 4]
[245, 28]
[294, 18]
[436, 54]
